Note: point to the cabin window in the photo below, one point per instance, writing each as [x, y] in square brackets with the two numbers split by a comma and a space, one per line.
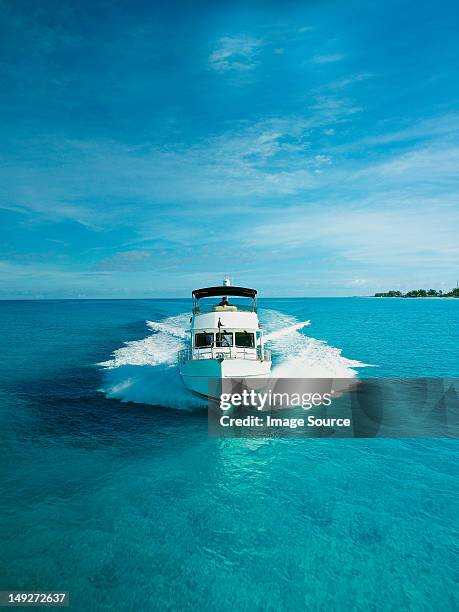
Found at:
[203, 340]
[245, 340]
[224, 339]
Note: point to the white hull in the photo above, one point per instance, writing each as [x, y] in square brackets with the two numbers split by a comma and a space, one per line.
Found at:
[226, 341]
[201, 374]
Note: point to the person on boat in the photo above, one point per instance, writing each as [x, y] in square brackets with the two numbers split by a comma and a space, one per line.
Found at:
[224, 301]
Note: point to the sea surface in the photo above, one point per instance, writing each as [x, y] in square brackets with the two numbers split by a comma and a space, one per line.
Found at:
[111, 489]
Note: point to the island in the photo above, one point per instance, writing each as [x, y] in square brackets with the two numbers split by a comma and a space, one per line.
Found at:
[421, 293]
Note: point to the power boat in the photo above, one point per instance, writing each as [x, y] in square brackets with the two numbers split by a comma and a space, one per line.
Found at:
[226, 338]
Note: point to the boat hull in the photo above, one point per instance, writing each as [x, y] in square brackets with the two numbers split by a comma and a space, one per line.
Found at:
[203, 375]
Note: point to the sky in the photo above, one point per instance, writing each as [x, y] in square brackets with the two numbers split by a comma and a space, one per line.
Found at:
[304, 148]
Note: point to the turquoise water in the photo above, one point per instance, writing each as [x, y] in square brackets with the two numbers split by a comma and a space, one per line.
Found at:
[130, 505]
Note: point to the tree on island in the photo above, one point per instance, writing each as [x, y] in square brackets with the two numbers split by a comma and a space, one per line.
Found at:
[389, 294]
[416, 293]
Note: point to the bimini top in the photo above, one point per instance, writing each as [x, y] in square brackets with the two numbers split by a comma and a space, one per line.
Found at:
[224, 290]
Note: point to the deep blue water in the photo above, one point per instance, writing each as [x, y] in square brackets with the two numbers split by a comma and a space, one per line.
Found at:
[130, 506]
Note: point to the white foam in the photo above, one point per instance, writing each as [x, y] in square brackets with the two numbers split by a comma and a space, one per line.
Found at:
[174, 326]
[155, 349]
[158, 385]
[145, 371]
[285, 331]
[299, 356]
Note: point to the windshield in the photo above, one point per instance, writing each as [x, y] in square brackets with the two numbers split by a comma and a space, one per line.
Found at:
[208, 304]
[244, 339]
[224, 339]
[204, 340]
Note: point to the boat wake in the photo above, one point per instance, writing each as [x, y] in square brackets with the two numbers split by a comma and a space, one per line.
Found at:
[144, 371]
[301, 356]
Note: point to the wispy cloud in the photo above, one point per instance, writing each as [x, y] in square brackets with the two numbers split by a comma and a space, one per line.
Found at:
[329, 109]
[270, 157]
[350, 80]
[359, 282]
[329, 58]
[235, 53]
[441, 126]
[378, 236]
[126, 260]
[422, 165]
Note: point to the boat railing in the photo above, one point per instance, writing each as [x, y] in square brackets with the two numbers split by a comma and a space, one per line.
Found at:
[203, 308]
[187, 354]
[184, 355]
[267, 356]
